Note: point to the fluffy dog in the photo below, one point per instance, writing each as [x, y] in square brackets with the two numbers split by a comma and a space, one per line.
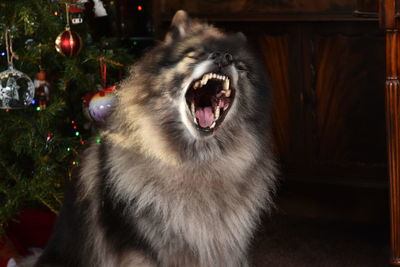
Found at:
[185, 165]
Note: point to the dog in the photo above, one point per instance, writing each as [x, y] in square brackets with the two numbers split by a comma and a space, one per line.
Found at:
[185, 167]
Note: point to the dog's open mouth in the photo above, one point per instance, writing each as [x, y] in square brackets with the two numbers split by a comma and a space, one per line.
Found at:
[209, 99]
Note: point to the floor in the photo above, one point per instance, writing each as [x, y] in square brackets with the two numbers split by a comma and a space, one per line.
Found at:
[324, 225]
[286, 241]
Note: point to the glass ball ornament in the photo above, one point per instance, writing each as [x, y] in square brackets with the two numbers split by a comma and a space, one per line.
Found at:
[16, 89]
[68, 43]
[101, 104]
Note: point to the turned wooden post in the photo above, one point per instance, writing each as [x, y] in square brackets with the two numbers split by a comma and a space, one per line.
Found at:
[389, 21]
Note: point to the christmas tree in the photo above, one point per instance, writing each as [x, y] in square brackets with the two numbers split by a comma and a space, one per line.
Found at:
[40, 142]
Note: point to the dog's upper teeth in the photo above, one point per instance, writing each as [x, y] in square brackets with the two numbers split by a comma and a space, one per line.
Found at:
[227, 93]
[197, 85]
[226, 84]
[206, 77]
[204, 80]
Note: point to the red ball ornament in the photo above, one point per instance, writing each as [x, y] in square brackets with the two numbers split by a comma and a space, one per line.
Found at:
[68, 43]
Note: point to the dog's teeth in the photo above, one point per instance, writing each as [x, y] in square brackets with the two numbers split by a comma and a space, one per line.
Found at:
[193, 108]
[226, 84]
[213, 125]
[204, 80]
[217, 113]
[227, 93]
[197, 85]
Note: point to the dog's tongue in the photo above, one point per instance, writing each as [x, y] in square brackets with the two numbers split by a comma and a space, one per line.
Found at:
[205, 116]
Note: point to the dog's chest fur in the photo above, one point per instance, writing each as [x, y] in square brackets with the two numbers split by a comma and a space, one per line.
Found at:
[190, 214]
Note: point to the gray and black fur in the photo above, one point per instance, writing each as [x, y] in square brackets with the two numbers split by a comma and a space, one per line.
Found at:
[159, 191]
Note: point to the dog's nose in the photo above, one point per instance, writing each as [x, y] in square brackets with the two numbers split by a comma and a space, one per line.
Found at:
[221, 59]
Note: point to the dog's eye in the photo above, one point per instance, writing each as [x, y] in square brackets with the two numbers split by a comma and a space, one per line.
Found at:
[192, 55]
[241, 66]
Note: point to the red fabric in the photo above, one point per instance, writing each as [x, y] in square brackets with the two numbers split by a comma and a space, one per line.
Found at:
[32, 229]
[7, 250]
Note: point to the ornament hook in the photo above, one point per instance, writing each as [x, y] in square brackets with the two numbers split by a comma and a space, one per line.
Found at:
[9, 49]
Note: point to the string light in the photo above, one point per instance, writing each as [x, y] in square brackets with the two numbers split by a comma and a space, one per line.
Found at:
[98, 140]
[68, 149]
[3, 53]
[55, 13]
[77, 133]
[33, 102]
[37, 108]
[49, 137]
[139, 8]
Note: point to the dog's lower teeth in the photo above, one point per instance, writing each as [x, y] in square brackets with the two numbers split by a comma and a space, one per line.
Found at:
[213, 125]
[217, 113]
[193, 108]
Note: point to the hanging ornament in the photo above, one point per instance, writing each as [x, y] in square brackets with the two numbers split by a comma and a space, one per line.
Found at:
[42, 91]
[68, 43]
[99, 105]
[16, 88]
[98, 9]
[77, 12]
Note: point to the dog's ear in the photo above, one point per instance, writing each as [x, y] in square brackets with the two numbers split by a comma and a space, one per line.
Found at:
[179, 26]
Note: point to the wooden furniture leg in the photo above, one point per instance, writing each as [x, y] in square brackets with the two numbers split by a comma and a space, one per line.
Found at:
[390, 23]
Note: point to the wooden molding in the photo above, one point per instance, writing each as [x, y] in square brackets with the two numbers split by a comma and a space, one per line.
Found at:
[389, 21]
